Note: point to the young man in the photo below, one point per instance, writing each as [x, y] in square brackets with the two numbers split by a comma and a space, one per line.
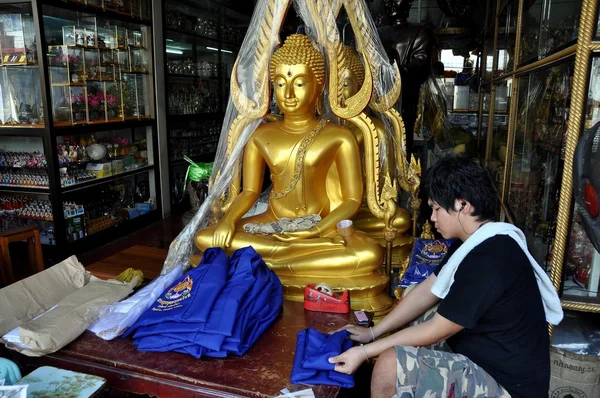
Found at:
[495, 304]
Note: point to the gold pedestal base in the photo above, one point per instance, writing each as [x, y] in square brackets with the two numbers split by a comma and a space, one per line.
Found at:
[367, 292]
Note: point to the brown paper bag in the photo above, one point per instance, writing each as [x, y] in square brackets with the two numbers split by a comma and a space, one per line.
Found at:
[71, 317]
[28, 298]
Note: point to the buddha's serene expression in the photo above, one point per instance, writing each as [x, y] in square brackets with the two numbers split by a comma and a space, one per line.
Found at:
[353, 75]
[296, 89]
[351, 85]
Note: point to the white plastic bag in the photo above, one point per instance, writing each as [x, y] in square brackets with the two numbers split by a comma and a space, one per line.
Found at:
[116, 318]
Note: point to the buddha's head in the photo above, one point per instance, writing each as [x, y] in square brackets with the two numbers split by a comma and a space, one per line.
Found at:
[298, 75]
[398, 10]
[354, 72]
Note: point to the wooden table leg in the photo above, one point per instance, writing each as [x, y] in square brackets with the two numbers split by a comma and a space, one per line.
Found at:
[3, 276]
[36, 260]
[7, 263]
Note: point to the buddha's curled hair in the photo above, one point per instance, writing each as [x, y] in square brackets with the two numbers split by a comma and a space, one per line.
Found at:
[298, 50]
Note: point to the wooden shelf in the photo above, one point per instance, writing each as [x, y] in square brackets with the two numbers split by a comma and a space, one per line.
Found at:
[89, 128]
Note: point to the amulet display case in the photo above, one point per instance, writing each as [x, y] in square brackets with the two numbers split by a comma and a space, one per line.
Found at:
[201, 40]
[545, 77]
[78, 135]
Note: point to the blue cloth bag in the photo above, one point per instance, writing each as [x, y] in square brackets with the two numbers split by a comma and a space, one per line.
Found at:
[247, 304]
[191, 297]
[311, 362]
[426, 255]
[262, 311]
[210, 334]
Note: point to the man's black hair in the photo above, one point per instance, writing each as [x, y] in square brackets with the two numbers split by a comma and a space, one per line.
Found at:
[458, 177]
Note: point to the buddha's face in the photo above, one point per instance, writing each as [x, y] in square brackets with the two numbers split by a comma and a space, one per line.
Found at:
[296, 89]
[350, 84]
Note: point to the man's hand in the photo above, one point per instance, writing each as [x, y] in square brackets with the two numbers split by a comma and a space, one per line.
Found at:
[358, 333]
[347, 362]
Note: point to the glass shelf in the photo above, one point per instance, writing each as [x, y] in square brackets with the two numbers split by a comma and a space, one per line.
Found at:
[17, 43]
[505, 45]
[537, 162]
[115, 9]
[592, 114]
[99, 69]
[90, 159]
[23, 164]
[560, 27]
[530, 35]
[548, 26]
[582, 266]
[110, 204]
[499, 133]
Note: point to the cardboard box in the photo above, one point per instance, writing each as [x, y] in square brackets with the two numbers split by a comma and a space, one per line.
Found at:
[30, 297]
[100, 169]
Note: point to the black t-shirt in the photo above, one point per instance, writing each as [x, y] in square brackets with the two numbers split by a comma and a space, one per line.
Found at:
[496, 299]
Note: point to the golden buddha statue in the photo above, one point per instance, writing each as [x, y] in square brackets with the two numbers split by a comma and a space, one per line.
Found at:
[352, 78]
[300, 152]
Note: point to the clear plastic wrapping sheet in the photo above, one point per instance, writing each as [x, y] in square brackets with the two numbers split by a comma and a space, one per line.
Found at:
[579, 333]
[225, 168]
[433, 120]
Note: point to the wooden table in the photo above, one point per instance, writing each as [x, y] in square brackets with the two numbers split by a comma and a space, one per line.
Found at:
[148, 259]
[262, 372]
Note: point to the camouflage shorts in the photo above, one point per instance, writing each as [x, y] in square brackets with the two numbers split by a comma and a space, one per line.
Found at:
[422, 372]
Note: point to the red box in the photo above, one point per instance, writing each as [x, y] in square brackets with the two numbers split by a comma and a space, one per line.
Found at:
[316, 299]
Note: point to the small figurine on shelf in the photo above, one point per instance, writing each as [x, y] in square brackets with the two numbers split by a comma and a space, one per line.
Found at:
[41, 119]
[142, 192]
[31, 53]
[82, 149]
[25, 113]
[72, 154]
[90, 40]
[96, 105]
[112, 105]
[79, 38]
[78, 105]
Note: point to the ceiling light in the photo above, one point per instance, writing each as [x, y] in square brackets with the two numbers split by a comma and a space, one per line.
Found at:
[216, 49]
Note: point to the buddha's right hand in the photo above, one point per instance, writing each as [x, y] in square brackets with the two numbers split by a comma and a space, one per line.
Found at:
[223, 234]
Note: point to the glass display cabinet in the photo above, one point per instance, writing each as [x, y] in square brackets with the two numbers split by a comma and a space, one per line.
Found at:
[77, 128]
[92, 50]
[201, 41]
[506, 39]
[18, 39]
[539, 110]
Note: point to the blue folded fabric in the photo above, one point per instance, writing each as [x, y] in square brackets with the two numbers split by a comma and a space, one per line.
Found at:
[249, 300]
[191, 297]
[311, 361]
[261, 314]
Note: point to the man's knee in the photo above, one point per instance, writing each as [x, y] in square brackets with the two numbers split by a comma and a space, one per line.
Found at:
[383, 382]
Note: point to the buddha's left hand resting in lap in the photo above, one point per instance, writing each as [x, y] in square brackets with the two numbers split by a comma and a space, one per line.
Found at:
[299, 151]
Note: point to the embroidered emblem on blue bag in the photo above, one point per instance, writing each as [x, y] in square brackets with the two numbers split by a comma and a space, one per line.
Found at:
[175, 295]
